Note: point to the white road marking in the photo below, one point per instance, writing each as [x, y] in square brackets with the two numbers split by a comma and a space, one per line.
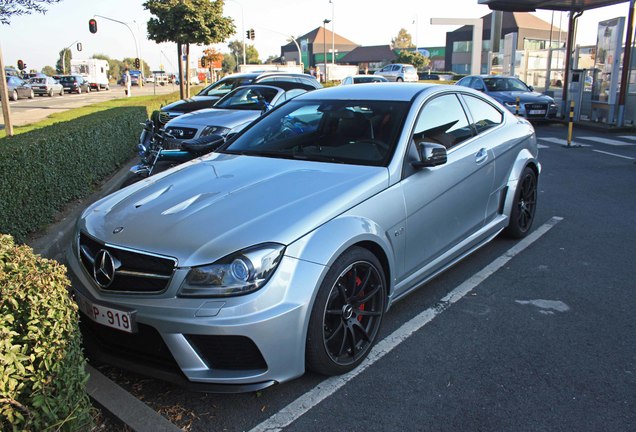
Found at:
[541, 146]
[304, 403]
[547, 307]
[607, 141]
[562, 141]
[629, 137]
[614, 154]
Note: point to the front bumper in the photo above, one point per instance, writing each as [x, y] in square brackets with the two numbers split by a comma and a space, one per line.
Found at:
[225, 344]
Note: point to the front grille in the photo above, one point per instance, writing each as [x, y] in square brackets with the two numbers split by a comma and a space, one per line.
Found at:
[182, 133]
[135, 272]
[228, 352]
[536, 107]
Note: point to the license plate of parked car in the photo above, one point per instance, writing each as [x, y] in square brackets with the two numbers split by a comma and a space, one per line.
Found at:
[536, 112]
[108, 316]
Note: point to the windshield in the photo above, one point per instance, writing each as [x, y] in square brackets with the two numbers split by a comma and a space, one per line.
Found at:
[354, 132]
[38, 80]
[367, 79]
[256, 99]
[505, 84]
[224, 86]
[67, 79]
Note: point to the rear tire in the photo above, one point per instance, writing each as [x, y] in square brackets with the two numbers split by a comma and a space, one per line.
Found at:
[31, 95]
[524, 205]
[50, 93]
[14, 96]
[399, 79]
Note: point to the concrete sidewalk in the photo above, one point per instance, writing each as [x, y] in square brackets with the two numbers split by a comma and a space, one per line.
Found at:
[105, 393]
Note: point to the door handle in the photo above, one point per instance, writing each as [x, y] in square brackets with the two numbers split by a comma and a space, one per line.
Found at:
[481, 156]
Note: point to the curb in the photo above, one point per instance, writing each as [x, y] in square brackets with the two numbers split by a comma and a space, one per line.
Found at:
[105, 393]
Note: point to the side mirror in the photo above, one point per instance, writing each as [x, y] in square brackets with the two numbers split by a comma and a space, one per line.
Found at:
[430, 154]
[531, 88]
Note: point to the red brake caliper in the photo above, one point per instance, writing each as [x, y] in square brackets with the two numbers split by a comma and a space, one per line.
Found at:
[361, 294]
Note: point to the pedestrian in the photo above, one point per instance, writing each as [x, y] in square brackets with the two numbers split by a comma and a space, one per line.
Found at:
[126, 79]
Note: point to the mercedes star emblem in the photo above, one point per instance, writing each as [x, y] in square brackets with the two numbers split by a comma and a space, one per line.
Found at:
[104, 268]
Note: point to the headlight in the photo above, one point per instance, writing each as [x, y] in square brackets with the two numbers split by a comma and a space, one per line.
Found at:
[240, 273]
[217, 130]
[511, 104]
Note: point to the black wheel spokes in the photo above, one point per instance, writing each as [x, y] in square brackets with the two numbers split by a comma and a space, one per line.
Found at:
[527, 202]
[353, 313]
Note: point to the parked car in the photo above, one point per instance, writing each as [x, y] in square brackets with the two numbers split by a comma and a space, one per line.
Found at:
[18, 88]
[506, 90]
[429, 77]
[233, 111]
[399, 72]
[74, 84]
[210, 94]
[46, 86]
[362, 79]
[284, 248]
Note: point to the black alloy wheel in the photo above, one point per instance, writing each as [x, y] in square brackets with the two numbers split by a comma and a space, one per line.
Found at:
[524, 205]
[347, 313]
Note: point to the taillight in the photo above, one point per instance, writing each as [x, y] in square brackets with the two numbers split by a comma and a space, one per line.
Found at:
[74, 84]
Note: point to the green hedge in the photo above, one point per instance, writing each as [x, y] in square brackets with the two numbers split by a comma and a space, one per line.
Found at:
[44, 169]
[42, 374]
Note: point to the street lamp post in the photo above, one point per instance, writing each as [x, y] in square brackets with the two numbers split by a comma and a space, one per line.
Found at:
[242, 28]
[324, 43]
[134, 39]
[333, 35]
[64, 57]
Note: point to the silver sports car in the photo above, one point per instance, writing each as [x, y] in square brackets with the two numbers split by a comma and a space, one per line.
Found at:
[283, 250]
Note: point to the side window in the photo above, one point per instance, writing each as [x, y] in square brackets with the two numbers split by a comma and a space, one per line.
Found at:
[396, 68]
[485, 116]
[466, 82]
[443, 121]
[477, 84]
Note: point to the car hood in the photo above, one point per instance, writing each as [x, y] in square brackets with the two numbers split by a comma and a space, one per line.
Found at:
[208, 208]
[524, 97]
[214, 117]
[191, 104]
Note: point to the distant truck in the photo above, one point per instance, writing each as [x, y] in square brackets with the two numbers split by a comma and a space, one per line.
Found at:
[95, 71]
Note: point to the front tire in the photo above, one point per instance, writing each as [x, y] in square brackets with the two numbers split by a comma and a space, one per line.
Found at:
[32, 94]
[14, 96]
[524, 205]
[347, 313]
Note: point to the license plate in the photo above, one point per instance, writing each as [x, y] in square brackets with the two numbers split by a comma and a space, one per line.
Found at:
[536, 112]
[107, 316]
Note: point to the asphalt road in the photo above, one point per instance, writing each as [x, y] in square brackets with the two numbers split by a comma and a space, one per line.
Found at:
[25, 111]
[541, 337]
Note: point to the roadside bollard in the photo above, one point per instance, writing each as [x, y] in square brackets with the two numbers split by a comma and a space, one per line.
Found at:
[570, 123]
[517, 106]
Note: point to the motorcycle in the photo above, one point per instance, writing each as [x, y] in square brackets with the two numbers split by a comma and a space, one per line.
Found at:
[151, 150]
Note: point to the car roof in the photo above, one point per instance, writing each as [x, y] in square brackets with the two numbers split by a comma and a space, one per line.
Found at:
[379, 91]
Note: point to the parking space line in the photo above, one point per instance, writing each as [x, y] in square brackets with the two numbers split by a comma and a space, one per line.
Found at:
[562, 141]
[629, 137]
[306, 402]
[607, 141]
[614, 154]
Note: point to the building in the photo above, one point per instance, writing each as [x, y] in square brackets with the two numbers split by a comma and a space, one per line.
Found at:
[532, 33]
[370, 58]
[313, 46]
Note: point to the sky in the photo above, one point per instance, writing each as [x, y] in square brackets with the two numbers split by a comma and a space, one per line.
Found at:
[37, 39]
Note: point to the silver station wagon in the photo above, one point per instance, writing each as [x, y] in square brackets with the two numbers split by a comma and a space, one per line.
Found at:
[282, 251]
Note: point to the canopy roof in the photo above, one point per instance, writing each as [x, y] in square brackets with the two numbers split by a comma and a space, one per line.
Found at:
[559, 5]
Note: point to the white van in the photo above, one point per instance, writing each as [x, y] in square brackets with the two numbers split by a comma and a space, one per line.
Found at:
[95, 71]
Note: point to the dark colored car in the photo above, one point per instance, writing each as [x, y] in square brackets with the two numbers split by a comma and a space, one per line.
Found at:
[210, 94]
[506, 90]
[18, 88]
[74, 84]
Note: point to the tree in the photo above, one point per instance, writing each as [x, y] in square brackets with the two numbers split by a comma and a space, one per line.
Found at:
[229, 63]
[402, 40]
[186, 22]
[9, 8]
[414, 58]
[49, 70]
[66, 68]
[271, 59]
[251, 53]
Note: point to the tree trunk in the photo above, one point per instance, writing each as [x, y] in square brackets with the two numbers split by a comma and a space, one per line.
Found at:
[181, 93]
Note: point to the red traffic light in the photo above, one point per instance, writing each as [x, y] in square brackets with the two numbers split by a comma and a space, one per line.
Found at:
[21, 65]
[92, 25]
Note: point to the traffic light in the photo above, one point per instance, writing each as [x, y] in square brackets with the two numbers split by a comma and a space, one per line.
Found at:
[79, 46]
[203, 61]
[92, 25]
[137, 63]
[21, 65]
[252, 34]
[247, 32]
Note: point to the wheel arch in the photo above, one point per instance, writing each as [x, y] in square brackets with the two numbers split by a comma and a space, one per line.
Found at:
[524, 159]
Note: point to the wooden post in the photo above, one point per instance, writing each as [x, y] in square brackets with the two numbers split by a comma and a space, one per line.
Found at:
[4, 94]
